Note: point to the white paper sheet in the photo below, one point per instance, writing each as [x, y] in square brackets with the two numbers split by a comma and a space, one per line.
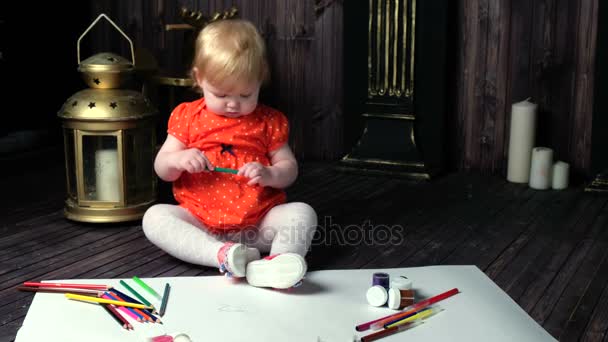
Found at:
[327, 307]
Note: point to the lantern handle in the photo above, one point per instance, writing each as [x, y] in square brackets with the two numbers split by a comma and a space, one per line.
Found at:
[115, 26]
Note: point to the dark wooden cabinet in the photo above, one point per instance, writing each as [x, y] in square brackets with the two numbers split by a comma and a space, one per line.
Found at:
[395, 86]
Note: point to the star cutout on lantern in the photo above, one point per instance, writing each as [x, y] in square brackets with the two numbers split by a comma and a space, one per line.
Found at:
[74, 103]
[96, 80]
[91, 104]
[112, 59]
[113, 105]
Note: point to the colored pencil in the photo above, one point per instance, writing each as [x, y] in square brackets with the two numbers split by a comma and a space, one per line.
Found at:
[416, 307]
[378, 323]
[163, 304]
[422, 314]
[135, 293]
[146, 287]
[389, 331]
[126, 311]
[136, 312]
[105, 301]
[132, 300]
[65, 285]
[145, 313]
[225, 170]
[117, 316]
[58, 290]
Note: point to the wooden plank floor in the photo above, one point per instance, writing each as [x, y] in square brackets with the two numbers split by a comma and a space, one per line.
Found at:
[548, 250]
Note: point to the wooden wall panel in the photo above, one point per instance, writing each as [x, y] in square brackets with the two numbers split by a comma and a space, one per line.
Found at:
[504, 52]
[582, 104]
[304, 48]
[511, 50]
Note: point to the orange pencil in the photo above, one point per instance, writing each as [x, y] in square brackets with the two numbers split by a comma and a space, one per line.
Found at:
[145, 315]
[127, 311]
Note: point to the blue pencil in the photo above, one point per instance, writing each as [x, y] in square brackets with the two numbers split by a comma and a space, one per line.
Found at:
[133, 300]
[130, 309]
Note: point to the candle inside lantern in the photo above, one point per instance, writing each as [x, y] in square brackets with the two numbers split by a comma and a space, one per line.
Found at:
[560, 175]
[521, 141]
[542, 167]
[106, 175]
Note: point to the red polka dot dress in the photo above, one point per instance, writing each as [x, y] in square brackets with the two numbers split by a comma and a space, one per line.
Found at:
[223, 201]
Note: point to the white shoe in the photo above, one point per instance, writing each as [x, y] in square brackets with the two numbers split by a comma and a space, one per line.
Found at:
[280, 271]
[253, 254]
[233, 260]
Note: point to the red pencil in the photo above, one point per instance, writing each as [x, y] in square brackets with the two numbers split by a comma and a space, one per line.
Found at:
[59, 290]
[76, 286]
[117, 316]
[378, 323]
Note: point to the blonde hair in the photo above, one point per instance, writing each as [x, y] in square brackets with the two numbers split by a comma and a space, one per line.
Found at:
[230, 51]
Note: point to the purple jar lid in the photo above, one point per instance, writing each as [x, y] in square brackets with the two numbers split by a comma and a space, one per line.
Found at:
[382, 279]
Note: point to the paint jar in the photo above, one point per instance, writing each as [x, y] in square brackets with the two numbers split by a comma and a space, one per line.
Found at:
[182, 338]
[381, 279]
[401, 283]
[399, 299]
[377, 295]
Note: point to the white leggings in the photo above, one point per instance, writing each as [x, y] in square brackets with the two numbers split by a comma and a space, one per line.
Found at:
[285, 228]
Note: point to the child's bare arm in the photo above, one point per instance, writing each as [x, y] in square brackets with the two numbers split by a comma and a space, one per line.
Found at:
[174, 158]
[284, 167]
[281, 173]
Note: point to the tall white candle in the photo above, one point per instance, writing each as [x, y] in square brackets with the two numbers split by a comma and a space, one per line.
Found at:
[521, 141]
[542, 167]
[106, 173]
[560, 177]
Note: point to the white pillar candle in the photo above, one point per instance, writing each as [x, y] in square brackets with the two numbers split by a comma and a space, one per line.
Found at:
[542, 167]
[521, 141]
[560, 177]
[106, 175]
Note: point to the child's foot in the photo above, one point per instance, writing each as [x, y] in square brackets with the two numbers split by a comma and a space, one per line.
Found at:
[280, 271]
[233, 260]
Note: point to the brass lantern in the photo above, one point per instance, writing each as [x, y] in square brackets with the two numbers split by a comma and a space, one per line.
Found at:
[109, 137]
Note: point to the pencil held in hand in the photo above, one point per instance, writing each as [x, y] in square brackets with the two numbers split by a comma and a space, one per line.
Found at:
[225, 170]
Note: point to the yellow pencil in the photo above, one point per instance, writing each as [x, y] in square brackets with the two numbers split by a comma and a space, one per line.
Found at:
[426, 313]
[106, 301]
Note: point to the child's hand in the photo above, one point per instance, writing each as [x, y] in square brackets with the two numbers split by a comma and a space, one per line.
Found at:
[258, 173]
[191, 160]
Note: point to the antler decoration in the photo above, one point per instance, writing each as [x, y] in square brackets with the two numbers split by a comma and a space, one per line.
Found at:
[198, 20]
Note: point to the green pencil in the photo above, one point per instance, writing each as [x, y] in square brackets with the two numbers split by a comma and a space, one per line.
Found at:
[146, 287]
[221, 169]
[163, 305]
[130, 289]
